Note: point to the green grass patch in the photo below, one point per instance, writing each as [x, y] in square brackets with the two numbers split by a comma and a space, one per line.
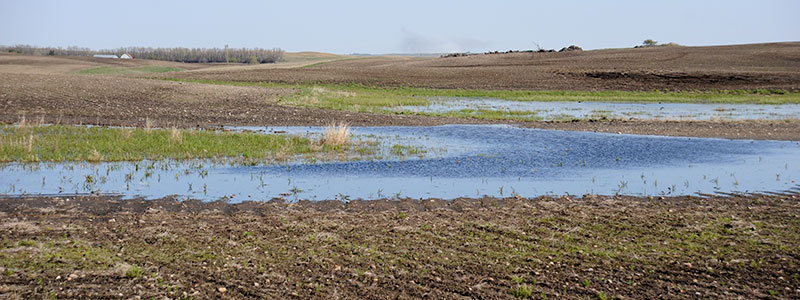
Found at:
[522, 291]
[133, 272]
[110, 70]
[26, 243]
[361, 97]
[78, 143]
[61, 255]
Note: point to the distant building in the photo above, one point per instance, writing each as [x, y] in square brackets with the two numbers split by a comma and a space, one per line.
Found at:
[105, 56]
[126, 56]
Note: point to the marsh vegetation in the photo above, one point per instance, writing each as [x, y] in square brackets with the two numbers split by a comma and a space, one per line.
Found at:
[33, 143]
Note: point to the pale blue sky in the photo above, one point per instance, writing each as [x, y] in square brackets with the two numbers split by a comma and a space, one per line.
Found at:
[395, 26]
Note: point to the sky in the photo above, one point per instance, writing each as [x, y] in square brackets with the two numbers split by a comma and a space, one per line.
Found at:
[408, 26]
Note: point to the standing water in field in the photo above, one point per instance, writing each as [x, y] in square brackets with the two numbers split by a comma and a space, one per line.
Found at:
[446, 162]
[558, 110]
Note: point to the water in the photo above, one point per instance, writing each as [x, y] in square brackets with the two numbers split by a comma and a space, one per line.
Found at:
[613, 110]
[462, 161]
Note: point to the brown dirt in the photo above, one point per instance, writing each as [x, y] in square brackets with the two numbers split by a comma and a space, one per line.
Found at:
[753, 66]
[115, 100]
[28, 64]
[39, 89]
[621, 247]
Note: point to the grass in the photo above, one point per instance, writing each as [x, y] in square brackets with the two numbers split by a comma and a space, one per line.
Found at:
[110, 70]
[522, 291]
[61, 255]
[78, 143]
[404, 150]
[26, 243]
[361, 97]
[336, 134]
[133, 272]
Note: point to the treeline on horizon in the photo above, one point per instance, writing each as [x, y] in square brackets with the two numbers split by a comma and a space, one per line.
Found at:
[178, 54]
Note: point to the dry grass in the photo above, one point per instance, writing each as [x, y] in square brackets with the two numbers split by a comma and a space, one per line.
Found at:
[176, 136]
[318, 90]
[23, 142]
[337, 134]
[95, 155]
[22, 122]
[127, 133]
[29, 146]
[148, 125]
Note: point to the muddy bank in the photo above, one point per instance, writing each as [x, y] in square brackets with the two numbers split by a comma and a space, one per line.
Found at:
[621, 247]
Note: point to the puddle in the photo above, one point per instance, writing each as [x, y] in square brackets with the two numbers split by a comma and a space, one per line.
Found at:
[460, 161]
[610, 110]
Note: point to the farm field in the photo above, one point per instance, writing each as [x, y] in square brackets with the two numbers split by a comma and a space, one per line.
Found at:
[664, 172]
[755, 66]
[554, 247]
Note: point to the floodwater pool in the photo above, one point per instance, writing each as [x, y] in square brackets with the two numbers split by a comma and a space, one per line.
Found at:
[460, 161]
[560, 110]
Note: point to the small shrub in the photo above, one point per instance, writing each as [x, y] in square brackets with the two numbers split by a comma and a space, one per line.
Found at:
[27, 243]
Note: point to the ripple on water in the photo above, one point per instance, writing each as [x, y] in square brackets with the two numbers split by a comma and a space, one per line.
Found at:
[466, 160]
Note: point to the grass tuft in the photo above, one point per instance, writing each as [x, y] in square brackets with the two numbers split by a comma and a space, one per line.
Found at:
[95, 155]
[175, 136]
[148, 125]
[522, 291]
[26, 243]
[22, 122]
[336, 134]
[133, 272]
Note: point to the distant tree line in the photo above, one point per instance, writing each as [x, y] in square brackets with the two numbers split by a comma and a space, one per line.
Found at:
[189, 55]
[33, 50]
[204, 55]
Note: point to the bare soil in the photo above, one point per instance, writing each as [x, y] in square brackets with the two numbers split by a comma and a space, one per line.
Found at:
[115, 100]
[754, 66]
[737, 247]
